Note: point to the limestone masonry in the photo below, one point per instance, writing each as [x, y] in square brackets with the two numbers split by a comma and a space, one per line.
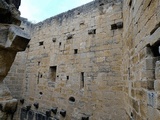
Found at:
[100, 61]
[12, 40]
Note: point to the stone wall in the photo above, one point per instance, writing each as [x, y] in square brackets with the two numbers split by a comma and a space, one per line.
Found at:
[74, 63]
[85, 63]
[140, 53]
[14, 79]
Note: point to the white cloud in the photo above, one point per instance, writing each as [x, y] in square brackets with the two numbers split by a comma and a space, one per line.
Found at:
[28, 10]
[39, 10]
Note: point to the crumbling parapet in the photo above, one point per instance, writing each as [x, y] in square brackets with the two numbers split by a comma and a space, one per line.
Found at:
[12, 40]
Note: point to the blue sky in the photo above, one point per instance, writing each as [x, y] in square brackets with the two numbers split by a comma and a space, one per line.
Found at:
[38, 10]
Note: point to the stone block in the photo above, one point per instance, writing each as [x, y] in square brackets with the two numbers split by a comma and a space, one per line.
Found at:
[148, 74]
[136, 105]
[54, 110]
[150, 63]
[4, 7]
[30, 115]
[157, 85]
[63, 113]
[158, 101]
[40, 116]
[150, 84]
[17, 39]
[146, 3]
[23, 114]
[151, 99]
[3, 35]
[119, 25]
[157, 70]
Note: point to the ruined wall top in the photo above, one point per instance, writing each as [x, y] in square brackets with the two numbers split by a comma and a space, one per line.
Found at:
[70, 14]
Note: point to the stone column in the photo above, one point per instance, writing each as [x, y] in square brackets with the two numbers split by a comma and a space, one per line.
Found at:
[12, 40]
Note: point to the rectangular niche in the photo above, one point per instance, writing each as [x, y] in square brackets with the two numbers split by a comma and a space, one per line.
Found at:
[75, 51]
[52, 73]
[67, 77]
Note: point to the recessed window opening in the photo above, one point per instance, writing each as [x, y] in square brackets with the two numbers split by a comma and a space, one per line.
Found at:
[155, 48]
[75, 51]
[53, 70]
[82, 80]
[41, 43]
[67, 77]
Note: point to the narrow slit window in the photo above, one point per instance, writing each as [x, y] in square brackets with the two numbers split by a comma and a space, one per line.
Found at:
[82, 80]
[67, 77]
[53, 70]
[38, 78]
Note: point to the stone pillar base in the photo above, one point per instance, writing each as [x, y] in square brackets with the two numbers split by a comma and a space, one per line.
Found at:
[7, 109]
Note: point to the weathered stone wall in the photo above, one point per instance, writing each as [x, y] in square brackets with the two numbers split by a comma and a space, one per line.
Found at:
[140, 53]
[15, 78]
[85, 63]
[13, 39]
[84, 49]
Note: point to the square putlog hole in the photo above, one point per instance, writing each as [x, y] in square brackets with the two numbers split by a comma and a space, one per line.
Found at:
[41, 43]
